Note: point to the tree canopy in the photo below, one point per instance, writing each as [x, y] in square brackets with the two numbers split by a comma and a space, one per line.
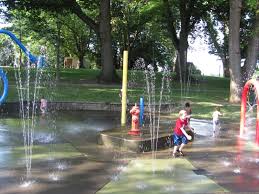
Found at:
[156, 31]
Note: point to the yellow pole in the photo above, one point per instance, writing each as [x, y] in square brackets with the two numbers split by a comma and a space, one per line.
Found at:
[124, 88]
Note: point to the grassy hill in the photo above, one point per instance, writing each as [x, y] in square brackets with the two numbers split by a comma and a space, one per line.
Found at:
[203, 92]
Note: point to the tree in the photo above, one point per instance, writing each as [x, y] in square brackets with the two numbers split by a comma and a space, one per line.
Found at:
[216, 28]
[218, 47]
[42, 28]
[234, 51]
[99, 23]
[252, 48]
[6, 51]
[242, 25]
[77, 37]
[136, 28]
[181, 16]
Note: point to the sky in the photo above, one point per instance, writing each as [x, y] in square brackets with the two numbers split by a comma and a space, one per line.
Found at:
[207, 63]
[3, 25]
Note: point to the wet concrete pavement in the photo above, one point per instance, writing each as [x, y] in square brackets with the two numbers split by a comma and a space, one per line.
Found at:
[161, 176]
[225, 163]
[79, 174]
[219, 164]
[230, 161]
[82, 176]
[65, 159]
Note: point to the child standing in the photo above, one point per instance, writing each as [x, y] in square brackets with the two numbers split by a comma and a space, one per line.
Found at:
[180, 137]
[43, 105]
[188, 110]
[215, 120]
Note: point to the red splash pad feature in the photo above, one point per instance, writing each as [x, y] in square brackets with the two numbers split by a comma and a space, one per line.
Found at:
[255, 84]
[134, 121]
[134, 132]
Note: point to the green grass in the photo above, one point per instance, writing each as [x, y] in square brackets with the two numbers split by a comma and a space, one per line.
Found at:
[76, 75]
[81, 86]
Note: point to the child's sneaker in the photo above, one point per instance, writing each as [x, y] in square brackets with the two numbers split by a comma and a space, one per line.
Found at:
[181, 153]
[173, 155]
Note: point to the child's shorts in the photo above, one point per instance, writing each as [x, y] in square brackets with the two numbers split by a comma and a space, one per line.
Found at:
[179, 139]
[215, 122]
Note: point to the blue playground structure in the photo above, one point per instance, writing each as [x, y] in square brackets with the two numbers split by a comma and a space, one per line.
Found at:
[5, 85]
[38, 61]
[141, 114]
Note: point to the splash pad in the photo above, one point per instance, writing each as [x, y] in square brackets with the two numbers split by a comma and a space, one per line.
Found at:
[243, 129]
[82, 159]
[24, 76]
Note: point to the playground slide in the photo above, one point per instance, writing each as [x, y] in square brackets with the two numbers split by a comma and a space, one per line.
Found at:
[39, 61]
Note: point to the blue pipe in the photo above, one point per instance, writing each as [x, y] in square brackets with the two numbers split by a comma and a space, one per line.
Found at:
[141, 114]
[32, 58]
[39, 61]
[5, 85]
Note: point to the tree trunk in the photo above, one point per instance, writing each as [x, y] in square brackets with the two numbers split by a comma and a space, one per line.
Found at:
[252, 51]
[81, 61]
[81, 49]
[234, 51]
[58, 51]
[181, 64]
[108, 71]
[224, 58]
[181, 43]
[225, 63]
[183, 59]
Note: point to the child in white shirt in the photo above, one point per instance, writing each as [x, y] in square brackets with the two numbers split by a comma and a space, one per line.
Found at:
[215, 119]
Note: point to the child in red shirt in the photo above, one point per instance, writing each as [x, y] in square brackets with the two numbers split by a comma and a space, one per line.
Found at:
[180, 137]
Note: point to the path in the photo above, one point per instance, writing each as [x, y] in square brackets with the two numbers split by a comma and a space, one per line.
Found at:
[212, 165]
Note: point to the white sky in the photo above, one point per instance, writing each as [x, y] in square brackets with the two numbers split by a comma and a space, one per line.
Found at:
[3, 25]
[207, 63]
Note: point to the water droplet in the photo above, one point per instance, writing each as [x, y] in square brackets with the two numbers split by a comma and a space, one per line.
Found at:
[141, 185]
[226, 163]
[169, 188]
[237, 171]
[62, 166]
[27, 183]
[115, 177]
[122, 168]
[54, 176]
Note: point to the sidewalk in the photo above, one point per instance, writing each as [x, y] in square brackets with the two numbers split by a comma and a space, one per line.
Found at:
[160, 176]
[211, 165]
